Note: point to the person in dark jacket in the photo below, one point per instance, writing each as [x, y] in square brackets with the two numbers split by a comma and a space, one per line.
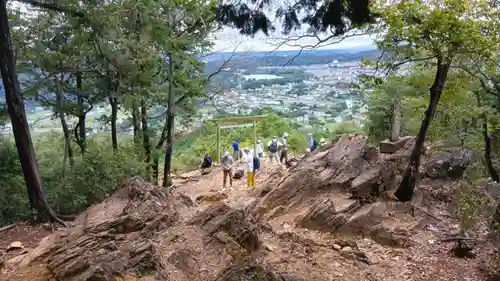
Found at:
[206, 164]
[236, 150]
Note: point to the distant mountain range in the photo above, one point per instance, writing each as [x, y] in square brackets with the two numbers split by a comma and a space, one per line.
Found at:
[323, 52]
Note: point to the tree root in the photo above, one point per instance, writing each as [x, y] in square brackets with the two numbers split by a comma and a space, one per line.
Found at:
[66, 217]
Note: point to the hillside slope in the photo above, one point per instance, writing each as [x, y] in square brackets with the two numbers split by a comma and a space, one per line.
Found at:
[329, 218]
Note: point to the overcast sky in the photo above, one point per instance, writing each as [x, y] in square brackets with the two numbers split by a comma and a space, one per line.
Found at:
[229, 39]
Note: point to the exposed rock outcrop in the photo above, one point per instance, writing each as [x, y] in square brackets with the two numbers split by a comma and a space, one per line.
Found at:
[349, 167]
[138, 231]
[339, 190]
[114, 237]
[448, 163]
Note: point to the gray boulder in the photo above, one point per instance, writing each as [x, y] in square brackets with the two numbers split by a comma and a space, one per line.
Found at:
[449, 163]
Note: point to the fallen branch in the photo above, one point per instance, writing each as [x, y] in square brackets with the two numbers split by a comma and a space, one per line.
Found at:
[460, 238]
[8, 227]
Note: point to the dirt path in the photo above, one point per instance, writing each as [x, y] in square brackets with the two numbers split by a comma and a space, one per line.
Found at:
[204, 185]
[29, 235]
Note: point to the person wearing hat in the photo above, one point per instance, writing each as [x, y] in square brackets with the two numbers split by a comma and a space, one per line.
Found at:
[313, 144]
[227, 169]
[260, 149]
[253, 165]
[273, 146]
[284, 148]
[322, 142]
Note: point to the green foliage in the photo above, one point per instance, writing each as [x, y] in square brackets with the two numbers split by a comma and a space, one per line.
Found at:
[454, 121]
[320, 16]
[189, 149]
[428, 34]
[471, 204]
[89, 181]
[13, 197]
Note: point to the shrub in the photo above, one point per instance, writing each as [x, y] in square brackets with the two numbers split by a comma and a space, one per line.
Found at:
[91, 179]
[13, 196]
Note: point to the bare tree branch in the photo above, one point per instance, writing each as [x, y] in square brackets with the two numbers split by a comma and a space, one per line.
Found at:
[54, 7]
[331, 39]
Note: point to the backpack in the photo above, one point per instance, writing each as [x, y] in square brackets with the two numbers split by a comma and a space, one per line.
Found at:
[209, 160]
[256, 163]
[238, 174]
[315, 145]
[273, 147]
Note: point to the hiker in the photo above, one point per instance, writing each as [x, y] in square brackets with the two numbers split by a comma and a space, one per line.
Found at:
[206, 164]
[272, 146]
[284, 148]
[236, 148]
[251, 168]
[313, 144]
[322, 142]
[260, 149]
[227, 170]
[243, 153]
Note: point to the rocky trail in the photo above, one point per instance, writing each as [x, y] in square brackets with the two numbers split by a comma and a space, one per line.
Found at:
[331, 217]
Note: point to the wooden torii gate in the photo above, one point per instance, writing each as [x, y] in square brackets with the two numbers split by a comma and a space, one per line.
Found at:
[232, 122]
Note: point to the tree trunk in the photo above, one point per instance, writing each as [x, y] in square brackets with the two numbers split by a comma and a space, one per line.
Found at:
[167, 181]
[145, 135]
[136, 120]
[114, 115]
[67, 140]
[487, 143]
[407, 186]
[159, 145]
[395, 121]
[81, 127]
[65, 159]
[22, 136]
[62, 118]
[167, 168]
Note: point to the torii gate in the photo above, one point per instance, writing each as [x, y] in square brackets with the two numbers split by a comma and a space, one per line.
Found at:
[231, 122]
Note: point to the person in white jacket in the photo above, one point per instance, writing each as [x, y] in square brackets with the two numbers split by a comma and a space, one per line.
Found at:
[260, 149]
[284, 148]
[253, 164]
